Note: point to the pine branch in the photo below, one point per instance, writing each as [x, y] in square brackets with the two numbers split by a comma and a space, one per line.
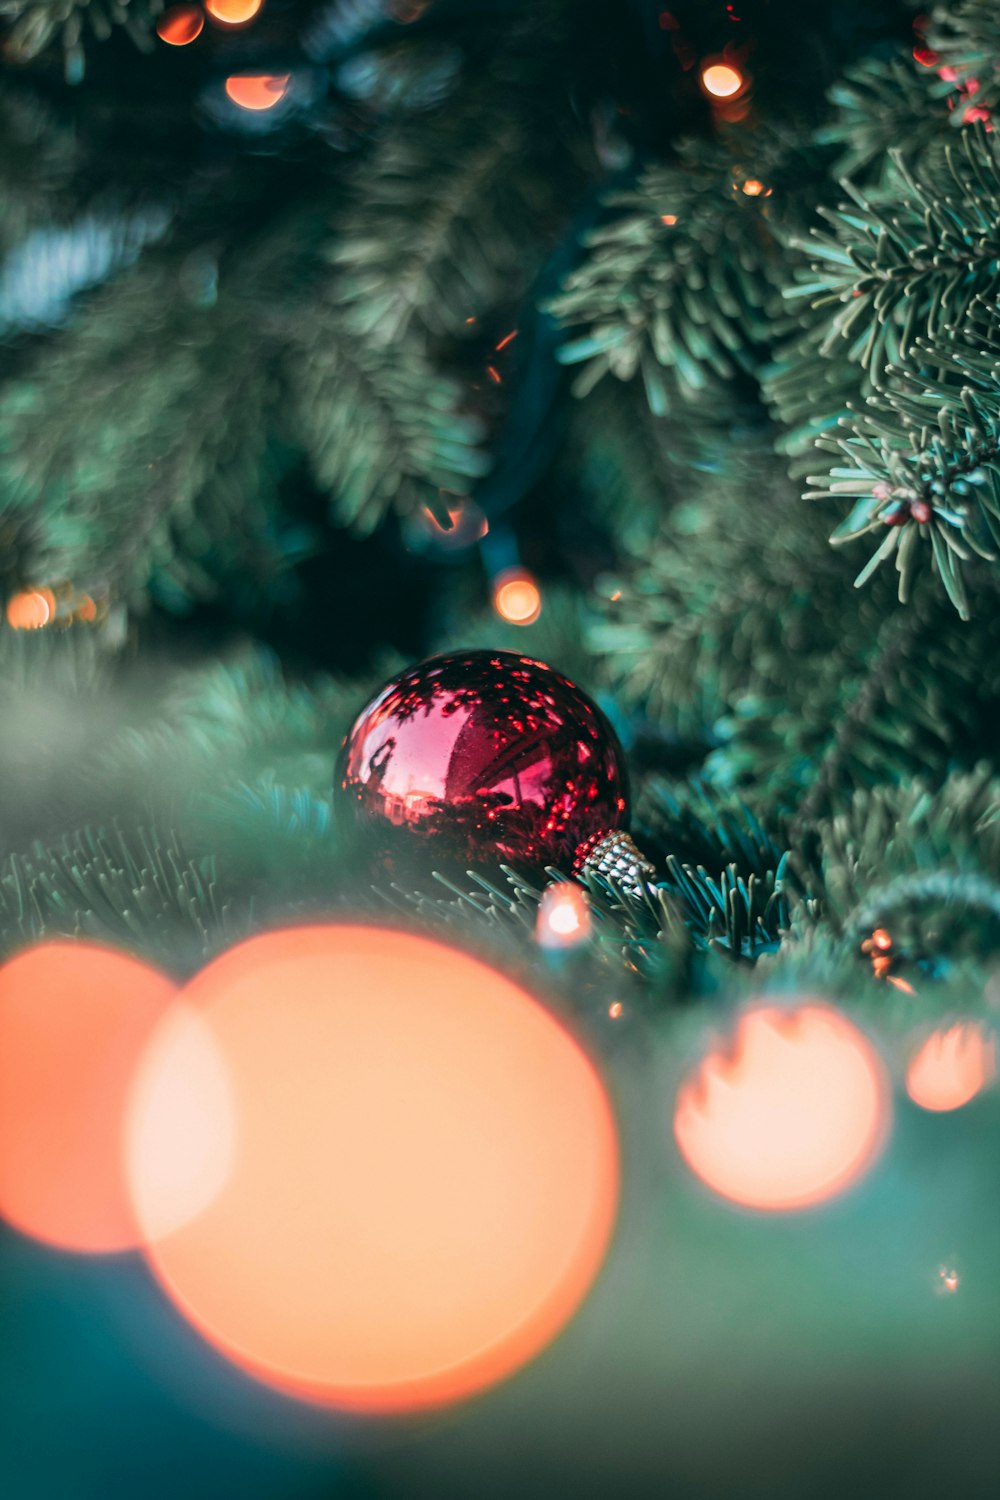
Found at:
[138, 892]
[917, 831]
[680, 286]
[37, 22]
[878, 103]
[450, 222]
[900, 266]
[965, 36]
[383, 428]
[923, 466]
[39, 156]
[637, 954]
[110, 441]
[702, 636]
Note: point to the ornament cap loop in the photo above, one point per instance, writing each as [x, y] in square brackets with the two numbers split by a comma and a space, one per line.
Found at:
[615, 856]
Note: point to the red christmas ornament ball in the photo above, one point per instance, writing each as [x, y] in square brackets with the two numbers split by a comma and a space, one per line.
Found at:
[482, 757]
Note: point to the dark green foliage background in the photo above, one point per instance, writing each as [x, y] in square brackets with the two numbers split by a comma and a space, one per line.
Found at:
[240, 361]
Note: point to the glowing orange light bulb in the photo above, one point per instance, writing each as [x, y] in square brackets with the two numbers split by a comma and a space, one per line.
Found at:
[792, 1114]
[952, 1066]
[74, 1018]
[517, 597]
[31, 610]
[257, 91]
[370, 1170]
[754, 188]
[233, 12]
[563, 917]
[180, 25]
[721, 80]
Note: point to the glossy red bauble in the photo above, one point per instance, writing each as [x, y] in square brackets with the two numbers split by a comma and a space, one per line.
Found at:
[482, 757]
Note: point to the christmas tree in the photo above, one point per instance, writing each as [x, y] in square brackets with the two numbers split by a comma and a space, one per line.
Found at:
[657, 345]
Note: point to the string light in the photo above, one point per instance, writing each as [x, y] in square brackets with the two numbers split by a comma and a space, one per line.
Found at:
[615, 1010]
[563, 917]
[180, 25]
[948, 1280]
[31, 610]
[257, 91]
[721, 80]
[952, 1066]
[754, 188]
[517, 597]
[233, 12]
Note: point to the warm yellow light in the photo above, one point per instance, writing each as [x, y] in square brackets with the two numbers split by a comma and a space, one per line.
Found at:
[721, 80]
[31, 610]
[754, 188]
[563, 916]
[257, 90]
[180, 25]
[952, 1066]
[74, 1018]
[517, 597]
[233, 12]
[792, 1113]
[372, 1171]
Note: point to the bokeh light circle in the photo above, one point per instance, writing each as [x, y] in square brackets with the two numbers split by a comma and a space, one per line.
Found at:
[257, 91]
[31, 610]
[180, 25]
[517, 597]
[233, 12]
[721, 80]
[417, 1174]
[791, 1113]
[74, 1019]
[952, 1066]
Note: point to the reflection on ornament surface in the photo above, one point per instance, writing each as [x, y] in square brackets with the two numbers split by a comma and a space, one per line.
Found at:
[480, 757]
[74, 1019]
[416, 1177]
[952, 1066]
[792, 1113]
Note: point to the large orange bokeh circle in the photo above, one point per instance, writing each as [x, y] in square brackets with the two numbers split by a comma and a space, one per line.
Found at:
[790, 1114]
[415, 1174]
[74, 1019]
